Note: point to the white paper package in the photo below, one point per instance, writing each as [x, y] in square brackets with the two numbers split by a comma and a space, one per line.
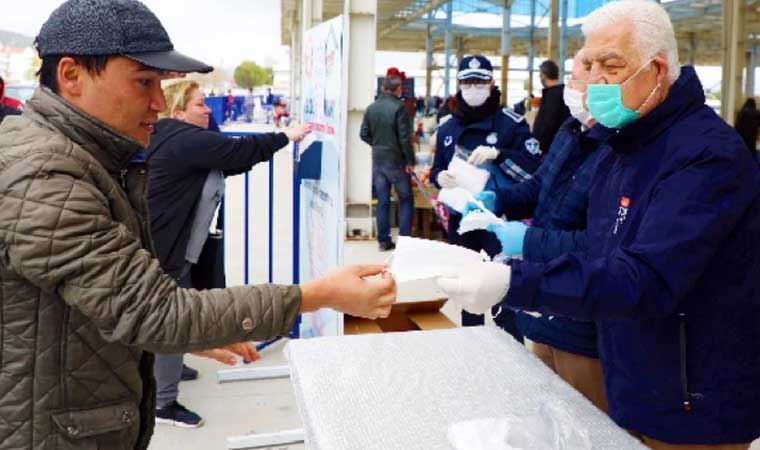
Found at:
[419, 259]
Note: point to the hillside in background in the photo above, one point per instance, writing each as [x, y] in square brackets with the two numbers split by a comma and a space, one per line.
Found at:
[16, 40]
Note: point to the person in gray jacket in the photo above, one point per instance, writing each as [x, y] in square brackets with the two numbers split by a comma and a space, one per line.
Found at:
[386, 127]
[84, 302]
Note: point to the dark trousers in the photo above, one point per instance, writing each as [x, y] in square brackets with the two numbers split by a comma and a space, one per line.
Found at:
[167, 369]
[383, 177]
[482, 240]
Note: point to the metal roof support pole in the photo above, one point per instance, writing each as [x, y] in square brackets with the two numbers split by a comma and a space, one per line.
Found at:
[692, 49]
[460, 49]
[531, 48]
[361, 22]
[296, 36]
[506, 47]
[734, 38]
[428, 65]
[552, 41]
[312, 13]
[306, 14]
[749, 89]
[563, 13]
[317, 7]
[447, 45]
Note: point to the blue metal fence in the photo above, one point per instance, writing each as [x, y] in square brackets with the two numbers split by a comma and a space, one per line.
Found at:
[248, 231]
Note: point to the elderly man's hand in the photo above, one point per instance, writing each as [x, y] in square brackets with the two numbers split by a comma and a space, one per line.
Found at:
[351, 290]
[226, 355]
[477, 287]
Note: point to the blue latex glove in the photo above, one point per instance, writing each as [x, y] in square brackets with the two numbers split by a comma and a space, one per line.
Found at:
[511, 235]
[488, 198]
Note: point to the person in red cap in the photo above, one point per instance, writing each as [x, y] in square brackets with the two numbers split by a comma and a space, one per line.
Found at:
[8, 106]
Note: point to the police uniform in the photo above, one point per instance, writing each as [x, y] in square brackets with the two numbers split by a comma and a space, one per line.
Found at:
[519, 156]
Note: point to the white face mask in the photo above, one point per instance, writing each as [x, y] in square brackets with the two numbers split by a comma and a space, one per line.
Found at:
[476, 94]
[574, 101]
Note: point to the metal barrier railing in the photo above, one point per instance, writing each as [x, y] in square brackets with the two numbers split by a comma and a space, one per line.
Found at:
[248, 231]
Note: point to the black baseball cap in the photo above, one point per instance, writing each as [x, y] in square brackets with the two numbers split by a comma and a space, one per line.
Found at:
[113, 27]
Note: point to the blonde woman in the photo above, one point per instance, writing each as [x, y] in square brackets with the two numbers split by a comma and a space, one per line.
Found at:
[187, 164]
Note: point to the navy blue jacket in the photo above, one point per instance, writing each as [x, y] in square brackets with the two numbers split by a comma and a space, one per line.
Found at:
[671, 275]
[519, 154]
[557, 199]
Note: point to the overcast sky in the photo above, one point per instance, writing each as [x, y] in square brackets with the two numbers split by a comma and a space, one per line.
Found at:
[219, 32]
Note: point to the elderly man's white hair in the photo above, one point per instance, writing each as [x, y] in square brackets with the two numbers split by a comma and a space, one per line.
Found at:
[653, 30]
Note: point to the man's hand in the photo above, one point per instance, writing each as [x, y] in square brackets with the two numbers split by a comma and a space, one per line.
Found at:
[511, 235]
[447, 180]
[226, 355]
[482, 154]
[409, 169]
[487, 198]
[477, 287]
[347, 290]
[297, 133]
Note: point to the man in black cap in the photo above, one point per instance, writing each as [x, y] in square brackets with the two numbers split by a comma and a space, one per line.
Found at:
[83, 299]
[386, 127]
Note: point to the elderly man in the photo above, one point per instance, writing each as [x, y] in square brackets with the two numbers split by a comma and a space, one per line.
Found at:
[84, 300]
[671, 273]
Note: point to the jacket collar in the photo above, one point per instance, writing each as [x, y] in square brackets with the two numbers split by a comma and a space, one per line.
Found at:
[487, 123]
[110, 148]
[390, 96]
[556, 87]
[685, 96]
[598, 133]
[591, 138]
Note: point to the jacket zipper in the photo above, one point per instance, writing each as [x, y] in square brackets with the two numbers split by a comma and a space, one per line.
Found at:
[684, 378]
[64, 340]
[138, 201]
[123, 177]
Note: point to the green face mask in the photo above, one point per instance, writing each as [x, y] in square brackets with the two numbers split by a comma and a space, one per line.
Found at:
[605, 103]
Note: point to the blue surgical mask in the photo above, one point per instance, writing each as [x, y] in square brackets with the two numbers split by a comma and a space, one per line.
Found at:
[605, 102]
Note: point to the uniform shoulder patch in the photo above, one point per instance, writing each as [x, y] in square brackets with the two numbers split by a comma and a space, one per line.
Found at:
[513, 115]
[533, 146]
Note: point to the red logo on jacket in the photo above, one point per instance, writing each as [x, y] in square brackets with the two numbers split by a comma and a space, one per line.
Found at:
[622, 213]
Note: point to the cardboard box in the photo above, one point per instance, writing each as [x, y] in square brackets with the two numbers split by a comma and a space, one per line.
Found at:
[410, 316]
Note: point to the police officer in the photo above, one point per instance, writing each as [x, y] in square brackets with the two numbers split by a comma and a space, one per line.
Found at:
[492, 138]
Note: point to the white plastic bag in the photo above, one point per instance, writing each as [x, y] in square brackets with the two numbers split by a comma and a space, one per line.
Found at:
[549, 427]
[455, 198]
[472, 178]
[479, 220]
